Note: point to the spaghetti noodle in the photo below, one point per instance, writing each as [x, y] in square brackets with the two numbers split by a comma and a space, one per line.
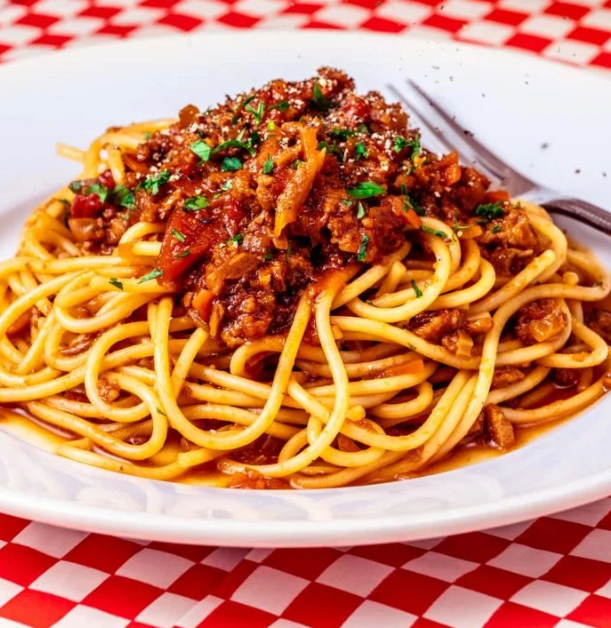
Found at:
[288, 290]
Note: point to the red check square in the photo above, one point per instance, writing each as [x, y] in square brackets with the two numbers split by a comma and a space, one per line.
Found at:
[23, 565]
[322, 606]
[307, 563]
[36, 609]
[122, 596]
[409, 591]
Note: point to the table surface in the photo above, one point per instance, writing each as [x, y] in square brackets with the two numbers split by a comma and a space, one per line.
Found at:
[552, 572]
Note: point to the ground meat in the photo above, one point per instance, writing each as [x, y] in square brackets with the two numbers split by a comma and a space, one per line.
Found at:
[356, 179]
[80, 343]
[599, 321]
[509, 243]
[540, 321]
[566, 378]
[498, 429]
[506, 376]
[434, 325]
[109, 391]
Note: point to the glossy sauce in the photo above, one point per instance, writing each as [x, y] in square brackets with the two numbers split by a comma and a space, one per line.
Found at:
[48, 439]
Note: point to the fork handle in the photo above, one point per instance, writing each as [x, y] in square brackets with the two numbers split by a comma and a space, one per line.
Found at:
[581, 210]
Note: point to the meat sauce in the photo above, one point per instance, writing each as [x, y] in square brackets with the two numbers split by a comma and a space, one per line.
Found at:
[218, 179]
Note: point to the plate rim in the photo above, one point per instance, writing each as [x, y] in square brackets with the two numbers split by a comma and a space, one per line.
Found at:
[199, 530]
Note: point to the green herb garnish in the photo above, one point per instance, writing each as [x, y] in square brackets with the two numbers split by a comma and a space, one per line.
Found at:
[319, 99]
[495, 229]
[226, 186]
[360, 211]
[123, 196]
[268, 256]
[366, 189]
[231, 164]
[234, 144]
[201, 149]
[340, 134]
[410, 203]
[435, 232]
[403, 142]
[237, 239]
[258, 112]
[76, 186]
[490, 211]
[99, 189]
[184, 253]
[152, 275]
[283, 105]
[268, 166]
[152, 184]
[297, 163]
[147, 136]
[181, 237]
[270, 125]
[242, 104]
[362, 252]
[416, 289]
[360, 152]
[195, 203]
[113, 281]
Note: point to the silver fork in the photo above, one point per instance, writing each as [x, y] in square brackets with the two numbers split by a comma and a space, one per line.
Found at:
[442, 124]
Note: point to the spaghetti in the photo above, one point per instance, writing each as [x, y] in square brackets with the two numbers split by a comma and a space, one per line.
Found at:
[288, 290]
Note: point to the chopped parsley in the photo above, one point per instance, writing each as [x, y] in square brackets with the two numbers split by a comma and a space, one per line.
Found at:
[458, 227]
[184, 253]
[270, 125]
[76, 186]
[152, 184]
[231, 164]
[495, 229]
[237, 239]
[242, 104]
[268, 256]
[258, 112]
[319, 99]
[332, 149]
[152, 275]
[360, 211]
[340, 134]
[201, 149]
[416, 289]
[235, 144]
[362, 252]
[490, 211]
[362, 128]
[297, 163]
[268, 166]
[435, 232]
[147, 136]
[123, 196]
[283, 105]
[195, 203]
[181, 237]
[366, 189]
[360, 152]
[402, 142]
[410, 203]
[113, 281]
[226, 186]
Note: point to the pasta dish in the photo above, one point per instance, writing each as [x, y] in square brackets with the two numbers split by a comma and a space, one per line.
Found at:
[289, 290]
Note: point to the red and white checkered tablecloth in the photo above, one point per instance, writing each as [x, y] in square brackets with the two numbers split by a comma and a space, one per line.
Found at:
[553, 572]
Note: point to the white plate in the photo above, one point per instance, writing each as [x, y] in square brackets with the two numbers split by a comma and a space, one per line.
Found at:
[517, 103]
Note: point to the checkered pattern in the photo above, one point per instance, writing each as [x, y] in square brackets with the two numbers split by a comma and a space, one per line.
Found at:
[575, 31]
[553, 572]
